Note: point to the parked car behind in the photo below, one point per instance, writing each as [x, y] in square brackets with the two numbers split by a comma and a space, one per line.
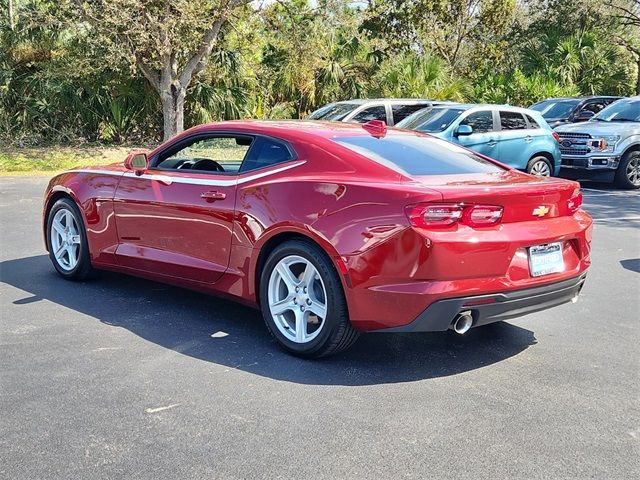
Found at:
[514, 136]
[558, 111]
[389, 110]
[606, 148]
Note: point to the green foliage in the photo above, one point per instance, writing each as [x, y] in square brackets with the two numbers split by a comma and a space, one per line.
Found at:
[62, 81]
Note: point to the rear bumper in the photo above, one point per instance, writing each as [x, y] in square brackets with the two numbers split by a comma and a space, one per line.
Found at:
[440, 314]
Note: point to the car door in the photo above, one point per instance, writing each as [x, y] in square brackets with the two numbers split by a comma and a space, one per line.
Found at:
[483, 138]
[513, 139]
[176, 218]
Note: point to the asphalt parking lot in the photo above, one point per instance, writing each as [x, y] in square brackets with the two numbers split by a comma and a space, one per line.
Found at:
[124, 378]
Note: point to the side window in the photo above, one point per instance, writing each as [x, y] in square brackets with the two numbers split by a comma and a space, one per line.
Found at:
[371, 113]
[265, 152]
[481, 122]
[400, 112]
[512, 121]
[594, 107]
[217, 153]
[532, 122]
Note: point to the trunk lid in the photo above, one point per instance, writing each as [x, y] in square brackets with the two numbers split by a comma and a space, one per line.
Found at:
[523, 197]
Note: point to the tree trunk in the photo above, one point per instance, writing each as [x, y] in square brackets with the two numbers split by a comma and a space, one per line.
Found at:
[173, 111]
[10, 14]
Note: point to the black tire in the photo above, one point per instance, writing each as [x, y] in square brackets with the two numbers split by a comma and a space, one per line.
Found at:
[627, 175]
[337, 333]
[534, 165]
[83, 267]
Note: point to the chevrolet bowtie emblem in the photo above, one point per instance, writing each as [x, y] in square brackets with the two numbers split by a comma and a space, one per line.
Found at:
[540, 211]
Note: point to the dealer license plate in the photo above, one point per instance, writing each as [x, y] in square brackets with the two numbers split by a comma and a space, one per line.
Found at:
[546, 259]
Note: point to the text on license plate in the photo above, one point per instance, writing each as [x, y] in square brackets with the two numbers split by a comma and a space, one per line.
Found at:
[546, 259]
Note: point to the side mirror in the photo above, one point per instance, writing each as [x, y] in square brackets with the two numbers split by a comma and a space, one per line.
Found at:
[463, 130]
[137, 162]
[585, 115]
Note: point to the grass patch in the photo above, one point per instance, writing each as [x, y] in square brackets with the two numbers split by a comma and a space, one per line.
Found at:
[47, 161]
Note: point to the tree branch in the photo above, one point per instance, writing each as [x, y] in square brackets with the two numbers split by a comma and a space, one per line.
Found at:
[199, 60]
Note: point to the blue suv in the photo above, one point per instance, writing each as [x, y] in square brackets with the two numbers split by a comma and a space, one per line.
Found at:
[517, 137]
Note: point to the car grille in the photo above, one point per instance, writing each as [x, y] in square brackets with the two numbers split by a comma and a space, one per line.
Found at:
[575, 162]
[574, 143]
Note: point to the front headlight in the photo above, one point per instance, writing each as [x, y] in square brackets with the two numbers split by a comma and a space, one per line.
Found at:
[605, 144]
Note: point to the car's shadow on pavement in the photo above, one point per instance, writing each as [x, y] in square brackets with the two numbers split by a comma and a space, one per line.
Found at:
[185, 321]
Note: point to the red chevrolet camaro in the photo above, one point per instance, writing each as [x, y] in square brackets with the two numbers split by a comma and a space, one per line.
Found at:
[330, 229]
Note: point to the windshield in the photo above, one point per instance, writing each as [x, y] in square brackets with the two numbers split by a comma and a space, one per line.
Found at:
[431, 119]
[555, 108]
[620, 111]
[333, 112]
[418, 155]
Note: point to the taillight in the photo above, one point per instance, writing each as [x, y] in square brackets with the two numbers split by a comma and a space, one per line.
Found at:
[482, 215]
[575, 202]
[427, 215]
[556, 135]
[433, 215]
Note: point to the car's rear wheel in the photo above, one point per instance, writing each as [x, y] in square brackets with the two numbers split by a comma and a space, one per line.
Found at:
[540, 166]
[628, 173]
[303, 303]
[67, 240]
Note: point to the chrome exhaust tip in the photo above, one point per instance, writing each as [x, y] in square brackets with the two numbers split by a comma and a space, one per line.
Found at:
[462, 323]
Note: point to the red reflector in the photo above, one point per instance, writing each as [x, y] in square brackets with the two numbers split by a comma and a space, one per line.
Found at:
[556, 136]
[575, 202]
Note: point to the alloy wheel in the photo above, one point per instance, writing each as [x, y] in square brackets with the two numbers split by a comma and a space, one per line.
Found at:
[65, 239]
[541, 169]
[297, 299]
[633, 170]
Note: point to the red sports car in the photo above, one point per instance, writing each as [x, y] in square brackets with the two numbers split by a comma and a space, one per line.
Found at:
[330, 229]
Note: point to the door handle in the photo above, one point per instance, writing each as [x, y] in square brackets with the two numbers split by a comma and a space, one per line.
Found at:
[213, 195]
[528, 138]
[492, 143]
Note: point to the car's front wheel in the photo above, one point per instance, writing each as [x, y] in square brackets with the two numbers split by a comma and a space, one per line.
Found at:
[628, 173]
[303, 303]
[540, 166]
[67, 240]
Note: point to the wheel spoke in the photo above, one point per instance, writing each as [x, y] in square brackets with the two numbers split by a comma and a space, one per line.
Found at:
[58, 253]
[282, 306]
[58, 227]
[287, 277]
[301, 326]
[71, 252]
[309, 275]
[68, 219]
[318, 309]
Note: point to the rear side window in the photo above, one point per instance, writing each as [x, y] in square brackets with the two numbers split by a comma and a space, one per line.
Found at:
[371, 113]
[481, 122]
[512, 121]
[417, 155]
[333, 112]
[400, 112]
[532, 122]
[265, 152]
